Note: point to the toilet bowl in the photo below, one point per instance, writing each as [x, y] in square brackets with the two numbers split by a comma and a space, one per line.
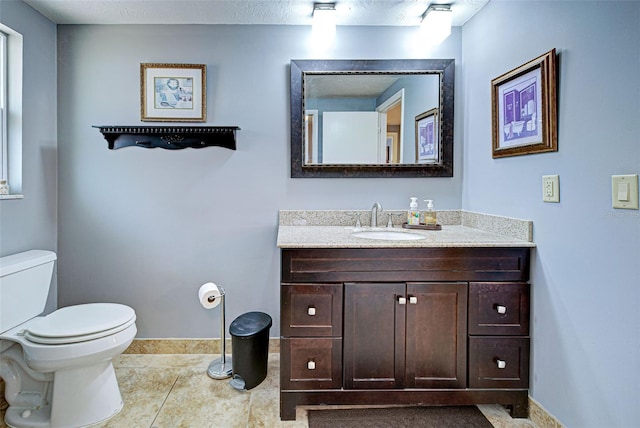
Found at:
[57, 368]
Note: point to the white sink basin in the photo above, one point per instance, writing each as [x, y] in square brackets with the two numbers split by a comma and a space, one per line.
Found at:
[388, 235]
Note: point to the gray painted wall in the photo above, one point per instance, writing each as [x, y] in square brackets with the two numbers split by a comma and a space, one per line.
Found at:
[585, 271]
[32, 222]
[148, 227]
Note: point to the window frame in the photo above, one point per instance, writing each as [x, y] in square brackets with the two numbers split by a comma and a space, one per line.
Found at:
[11, 85]
[4, 173]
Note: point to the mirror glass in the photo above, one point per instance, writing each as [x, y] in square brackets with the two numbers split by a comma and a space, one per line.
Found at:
[371, 118]
[368, 118]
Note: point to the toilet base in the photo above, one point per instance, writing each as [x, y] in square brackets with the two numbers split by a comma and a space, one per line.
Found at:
[81, 397]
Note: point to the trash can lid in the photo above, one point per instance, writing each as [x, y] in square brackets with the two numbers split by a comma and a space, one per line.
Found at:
[249, 324]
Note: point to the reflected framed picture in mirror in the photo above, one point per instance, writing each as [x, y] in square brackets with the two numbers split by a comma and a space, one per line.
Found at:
[427, 141]
[523, 108]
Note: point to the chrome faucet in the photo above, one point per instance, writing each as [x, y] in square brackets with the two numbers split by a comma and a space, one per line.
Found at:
[374, 213]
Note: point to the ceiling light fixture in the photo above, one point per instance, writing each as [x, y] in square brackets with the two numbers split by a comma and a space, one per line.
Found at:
[436, 23]
[324, 20]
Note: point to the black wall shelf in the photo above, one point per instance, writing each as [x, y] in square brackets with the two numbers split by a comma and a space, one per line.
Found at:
[169, 137]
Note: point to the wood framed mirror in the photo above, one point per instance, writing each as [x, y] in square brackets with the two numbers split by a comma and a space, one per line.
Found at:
[366, 118]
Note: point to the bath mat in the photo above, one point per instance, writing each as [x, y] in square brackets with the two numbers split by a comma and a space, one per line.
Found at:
[399, 417]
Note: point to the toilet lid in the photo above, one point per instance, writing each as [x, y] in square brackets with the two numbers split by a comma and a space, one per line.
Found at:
[79, 323]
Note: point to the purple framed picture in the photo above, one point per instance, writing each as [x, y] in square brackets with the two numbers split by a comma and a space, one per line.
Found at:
[427, 137]
[524, 116]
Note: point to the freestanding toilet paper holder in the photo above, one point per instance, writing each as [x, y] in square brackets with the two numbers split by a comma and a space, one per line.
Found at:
[222, 368]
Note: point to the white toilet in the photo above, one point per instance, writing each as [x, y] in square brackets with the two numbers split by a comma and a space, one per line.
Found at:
[57, 368]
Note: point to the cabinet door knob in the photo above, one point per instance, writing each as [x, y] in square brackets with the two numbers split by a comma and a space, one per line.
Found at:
[311, 310]
[501, 364]
[501, 309]
[311, 365]
[402, 300]
[413, 300]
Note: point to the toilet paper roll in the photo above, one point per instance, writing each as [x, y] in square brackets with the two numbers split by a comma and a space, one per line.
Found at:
[210, 295]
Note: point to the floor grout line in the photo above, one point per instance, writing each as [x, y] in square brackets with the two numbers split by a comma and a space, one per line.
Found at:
[164, 401]
[249, 409]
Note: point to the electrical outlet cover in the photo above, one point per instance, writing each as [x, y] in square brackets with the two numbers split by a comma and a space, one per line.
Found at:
[550, 188]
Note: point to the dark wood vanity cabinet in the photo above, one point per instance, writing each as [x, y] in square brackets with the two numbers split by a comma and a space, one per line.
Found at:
[439, 326]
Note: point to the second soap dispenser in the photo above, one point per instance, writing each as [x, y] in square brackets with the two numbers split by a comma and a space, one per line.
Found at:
[430, 214]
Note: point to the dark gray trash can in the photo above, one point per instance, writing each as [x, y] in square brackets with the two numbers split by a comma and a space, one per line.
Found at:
[249, 349]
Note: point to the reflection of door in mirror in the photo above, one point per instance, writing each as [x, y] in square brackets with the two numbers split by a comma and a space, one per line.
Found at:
[311, 136]
[395, 125]
[392, 148]
[391, 120]
[350, 137]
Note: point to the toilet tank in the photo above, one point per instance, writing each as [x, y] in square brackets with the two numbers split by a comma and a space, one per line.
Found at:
[25, 279]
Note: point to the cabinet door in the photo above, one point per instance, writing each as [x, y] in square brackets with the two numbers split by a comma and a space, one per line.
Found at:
[436, 335]
[374, 331]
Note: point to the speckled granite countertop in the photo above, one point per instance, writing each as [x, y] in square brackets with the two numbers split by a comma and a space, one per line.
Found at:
[334, 229]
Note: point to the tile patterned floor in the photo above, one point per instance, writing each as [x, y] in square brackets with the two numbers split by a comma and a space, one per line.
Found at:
[174, 391]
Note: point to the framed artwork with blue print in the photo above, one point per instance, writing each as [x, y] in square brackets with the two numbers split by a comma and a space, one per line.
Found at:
[173, 92]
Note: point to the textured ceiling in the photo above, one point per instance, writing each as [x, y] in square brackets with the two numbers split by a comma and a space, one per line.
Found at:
[347, 86]
[276, 12]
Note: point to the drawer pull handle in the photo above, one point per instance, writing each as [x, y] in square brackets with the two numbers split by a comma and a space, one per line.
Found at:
[311, 365]
[413, 300]
[501, 309]
[501, 364]
[311, 310]
[402, 300]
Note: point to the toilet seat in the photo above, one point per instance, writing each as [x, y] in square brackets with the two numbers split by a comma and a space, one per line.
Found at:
[79, 323]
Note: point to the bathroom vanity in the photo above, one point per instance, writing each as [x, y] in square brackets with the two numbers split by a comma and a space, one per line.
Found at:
[442, 320]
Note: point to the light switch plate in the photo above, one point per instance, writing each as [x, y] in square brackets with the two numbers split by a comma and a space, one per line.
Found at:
[550, 188]
[624, 191]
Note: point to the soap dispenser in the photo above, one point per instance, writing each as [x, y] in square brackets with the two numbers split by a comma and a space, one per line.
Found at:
[413, 215]
[430, 214]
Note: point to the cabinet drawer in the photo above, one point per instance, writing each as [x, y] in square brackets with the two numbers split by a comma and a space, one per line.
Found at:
[311, 310]
[499, 308]
[311, 363]
[498, 362]
[404, 264]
